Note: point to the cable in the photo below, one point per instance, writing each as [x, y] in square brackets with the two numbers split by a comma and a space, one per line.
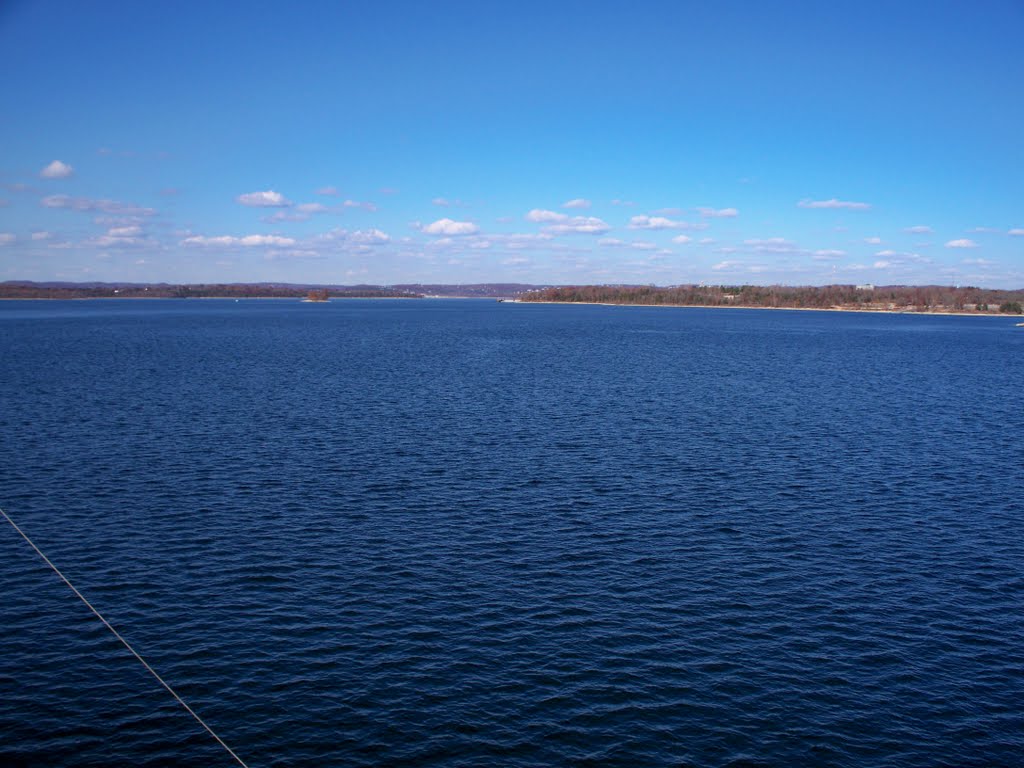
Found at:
[123, 641]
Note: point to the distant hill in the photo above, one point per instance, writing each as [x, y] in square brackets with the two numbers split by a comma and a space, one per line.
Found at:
[22, 289]
[474, 290]
[882, 298]
[26, 289]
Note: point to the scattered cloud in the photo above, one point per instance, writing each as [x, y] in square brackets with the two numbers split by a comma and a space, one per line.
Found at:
[442, 202]
[366, 206]
[643, 245]
[727, 265]
[578, 202]
[961, 243]
[873, 240]
[359, 240]
[611, 242]
[312, 208]
[626, 203]
[128, 236]
[718, 213]
[978, 262]
[772, 245]
[268, 199]
[541, 215]
[41, 235]
[6, 238]
[582, 225]
[827, 254]
[57, 170]
[247, 240]
[655, 222]
[328, 191]
[449, 227]
[834, 203]
[1016, 232]
[902, 257]
[369, 237]
[920, 229]
[89, 204]
[682, 239]
[989, 230]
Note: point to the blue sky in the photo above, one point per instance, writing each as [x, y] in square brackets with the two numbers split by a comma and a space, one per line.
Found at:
[383, 142]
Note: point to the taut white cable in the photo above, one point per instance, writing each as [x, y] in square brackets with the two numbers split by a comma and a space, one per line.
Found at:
[123, 641]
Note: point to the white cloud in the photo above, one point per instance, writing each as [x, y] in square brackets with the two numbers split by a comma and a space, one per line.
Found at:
[515, 261]
[449, 227]
[123, 236]
[834, 203]
[578, 202]
[626, 203]
[584, 225]
[978, 262]
[268, 199]
[962, 243]
[718, 213]
[369, 237]
[312, 208]
[828, 253]
[278, 216]
[247, 240]
[903, 257]
[541, 216]
[873, 240]
[920, 229]
[727, 265]
[90, 204]
[611, 242]
[682, 239]
[41, 235]
[57, 170]
[357, 204]
[772, 245]
[655, 222]
[882, 264]
[440, 201]
[328, 191]
[1016, 232]
[6, 238]
[130, 231]
[643, 245]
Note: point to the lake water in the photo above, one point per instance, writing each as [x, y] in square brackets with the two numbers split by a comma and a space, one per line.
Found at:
[464, 533]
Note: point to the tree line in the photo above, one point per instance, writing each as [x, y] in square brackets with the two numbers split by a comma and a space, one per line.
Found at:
[906, 298]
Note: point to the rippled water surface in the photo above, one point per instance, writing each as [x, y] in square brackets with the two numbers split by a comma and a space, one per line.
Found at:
[463, 533]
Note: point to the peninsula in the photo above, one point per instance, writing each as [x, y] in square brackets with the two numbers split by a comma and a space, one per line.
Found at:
[890, 298]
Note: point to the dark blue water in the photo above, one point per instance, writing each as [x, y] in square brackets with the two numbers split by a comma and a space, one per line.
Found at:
[462, 533]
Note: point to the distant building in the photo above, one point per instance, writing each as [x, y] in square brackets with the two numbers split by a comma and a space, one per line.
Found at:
[866, 287]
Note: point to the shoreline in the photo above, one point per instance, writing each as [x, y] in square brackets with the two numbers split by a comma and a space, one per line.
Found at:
[791, 309]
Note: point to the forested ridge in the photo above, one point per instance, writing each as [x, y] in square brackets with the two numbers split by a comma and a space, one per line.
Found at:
[30, 290]
[893, 298]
